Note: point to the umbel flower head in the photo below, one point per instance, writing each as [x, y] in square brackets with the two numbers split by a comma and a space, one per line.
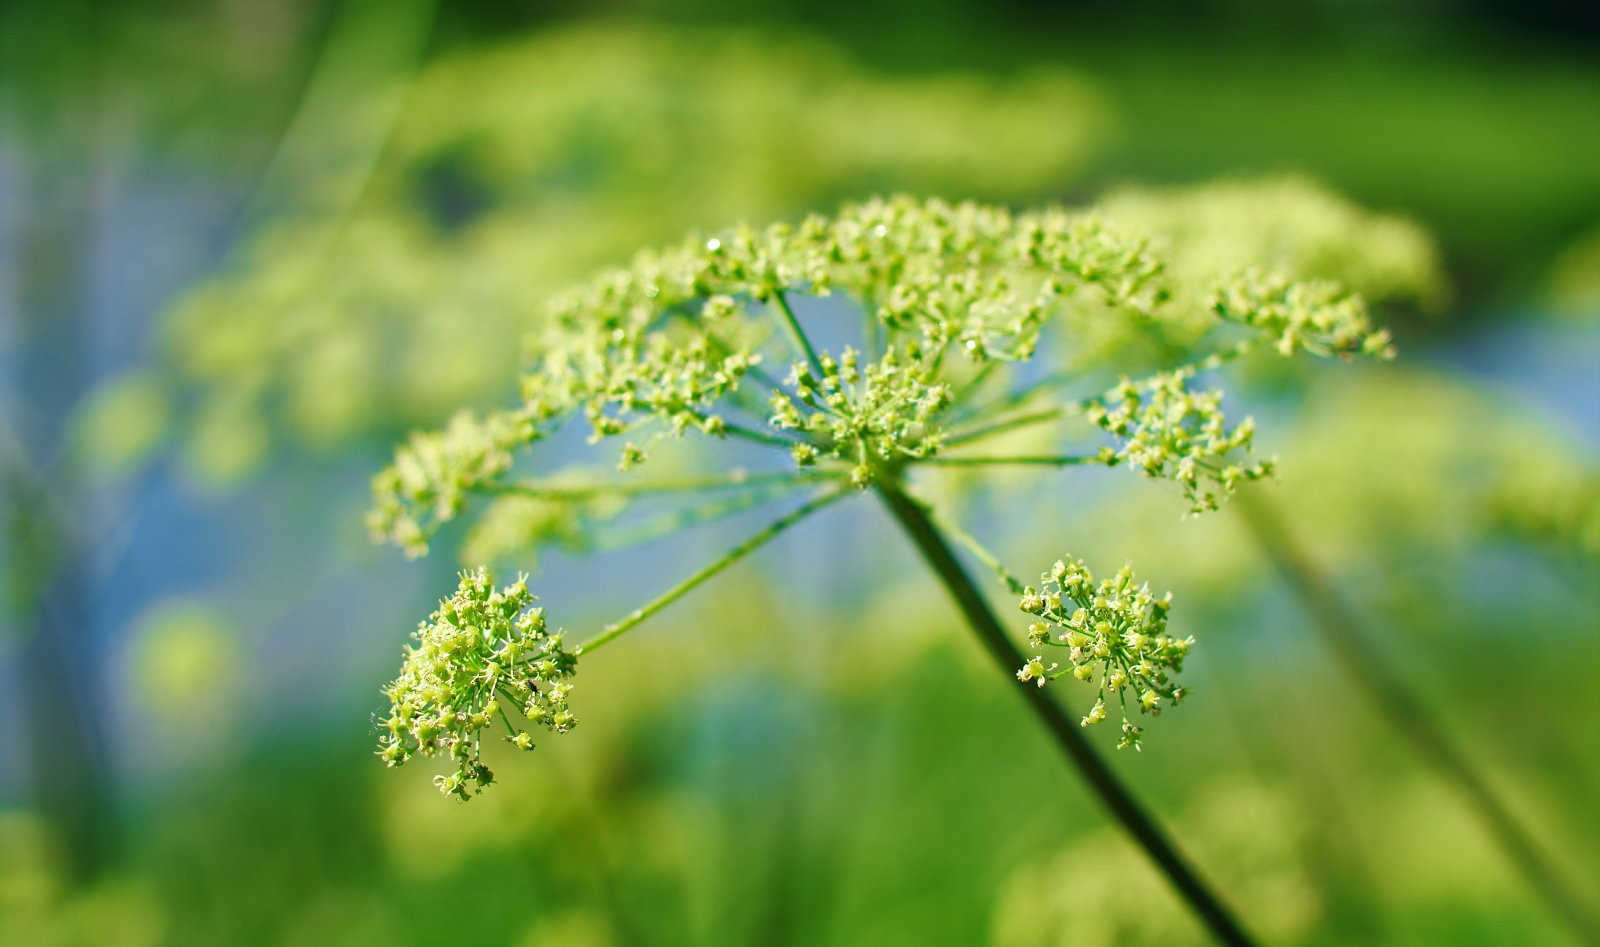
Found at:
[952, 296]
[1113, 634]
[1167, 431]
[704, 341]
[480, 652]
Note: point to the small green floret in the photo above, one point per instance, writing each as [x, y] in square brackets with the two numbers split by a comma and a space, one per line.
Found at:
[1167, 431]
[480, 651]
[1113, 630]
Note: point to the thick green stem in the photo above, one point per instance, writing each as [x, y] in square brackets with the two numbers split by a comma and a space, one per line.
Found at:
[1340, 629]
[617, 628]
[1068, 737]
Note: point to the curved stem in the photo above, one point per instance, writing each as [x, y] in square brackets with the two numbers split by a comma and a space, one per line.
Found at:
[1341, 631]
[1216, 916]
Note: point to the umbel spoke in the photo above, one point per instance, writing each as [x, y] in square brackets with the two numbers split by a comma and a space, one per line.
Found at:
[618, 628]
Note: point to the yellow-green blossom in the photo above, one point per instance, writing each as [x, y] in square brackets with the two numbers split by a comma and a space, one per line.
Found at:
[479, 654]
[1114, 631]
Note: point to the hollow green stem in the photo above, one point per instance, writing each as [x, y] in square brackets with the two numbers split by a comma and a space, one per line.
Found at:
[1342, 631]
[618, 628]
[928, 539]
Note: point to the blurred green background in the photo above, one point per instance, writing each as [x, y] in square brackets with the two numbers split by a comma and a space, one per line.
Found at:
[244, 247]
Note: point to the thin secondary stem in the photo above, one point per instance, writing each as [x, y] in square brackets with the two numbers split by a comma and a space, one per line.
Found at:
[676, 521]
[979, 551]
[1029, 460]
[797, 335]
[913, 518]
[1014, 400]
[1004, 424]
[616, 629]
[730, 481]
[751, 434]
[872, 333]
[1341, 630]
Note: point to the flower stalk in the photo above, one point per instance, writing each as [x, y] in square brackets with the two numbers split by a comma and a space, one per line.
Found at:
[617, 629]
[1064, 731]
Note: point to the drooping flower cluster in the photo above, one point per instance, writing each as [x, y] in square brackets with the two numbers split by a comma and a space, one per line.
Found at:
[480, 652]
[1167, 431]
[1113, 632]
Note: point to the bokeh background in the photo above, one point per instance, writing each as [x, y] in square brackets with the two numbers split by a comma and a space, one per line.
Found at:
[246, 246]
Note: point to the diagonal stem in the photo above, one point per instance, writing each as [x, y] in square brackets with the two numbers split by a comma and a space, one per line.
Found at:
[735, 480]
[618, 628]
[1216, 916]
[1006, 423]
[688, 517]
[797, 335]
[1021, 460]
[1342, 632]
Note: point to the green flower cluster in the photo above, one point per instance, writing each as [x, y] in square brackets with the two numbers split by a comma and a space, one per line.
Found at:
[664, 347]
[480, 648]
[1318, 316]
[1114, 630]
[1284, 224]
[1167, 431]
[428, 482]
[940, 303]
[888, 411]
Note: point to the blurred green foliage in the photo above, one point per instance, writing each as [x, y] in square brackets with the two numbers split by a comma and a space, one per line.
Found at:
[1573, 281]
[768, 767]
[514, 169]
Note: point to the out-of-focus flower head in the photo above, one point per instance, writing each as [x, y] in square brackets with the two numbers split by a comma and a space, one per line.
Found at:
[381, 296]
